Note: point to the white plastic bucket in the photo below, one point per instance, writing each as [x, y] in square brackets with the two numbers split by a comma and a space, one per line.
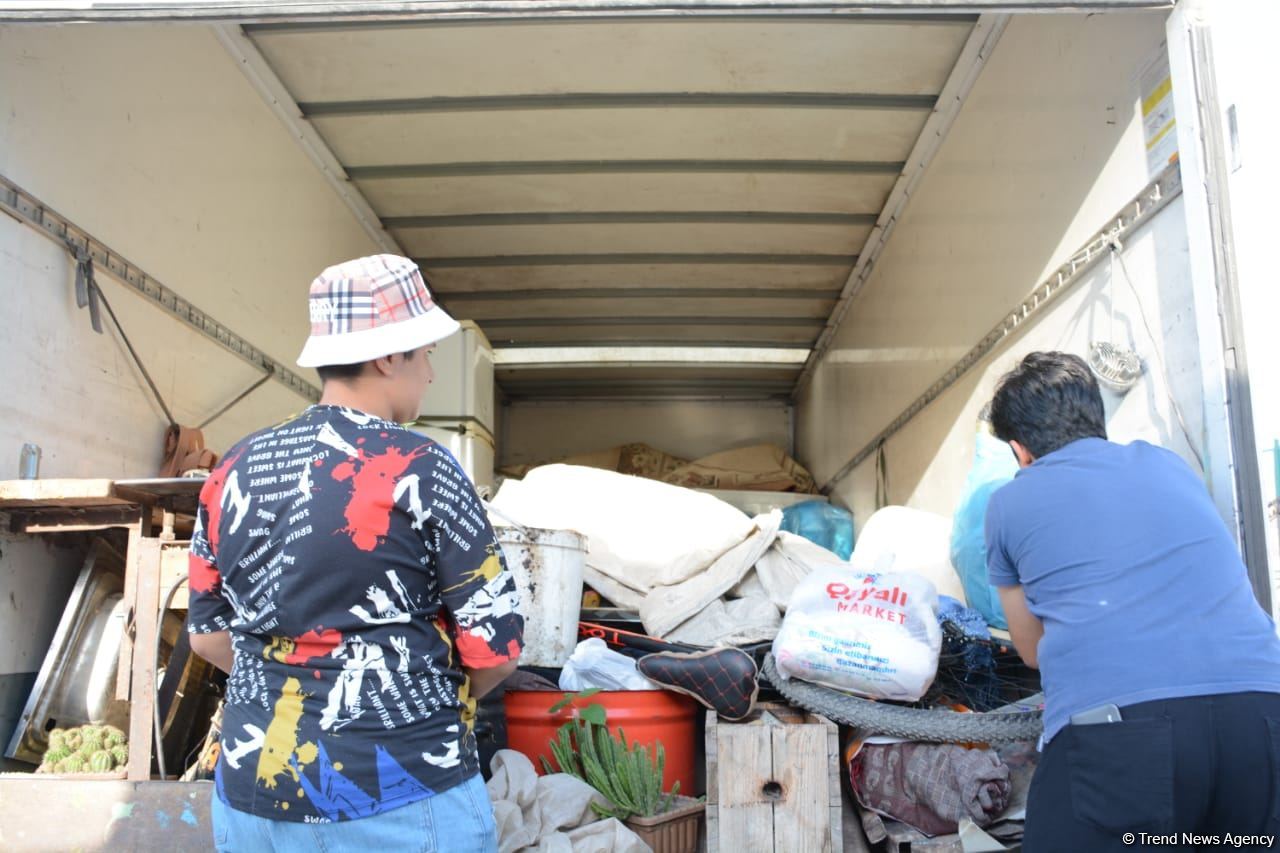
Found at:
[547, 565]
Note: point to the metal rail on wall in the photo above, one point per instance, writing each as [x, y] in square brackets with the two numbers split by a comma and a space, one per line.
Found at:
[1166, 187]
[29, 209]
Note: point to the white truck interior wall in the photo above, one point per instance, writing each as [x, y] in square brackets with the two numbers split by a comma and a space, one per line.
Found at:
[541, 431]
[930, 457]
[1048, 146]
[1242, 32]
[150, 138]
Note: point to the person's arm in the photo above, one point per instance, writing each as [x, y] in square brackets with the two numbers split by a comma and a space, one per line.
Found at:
[209, 614]
[476, 587]
[215, 648]
[1025, 628]
[483, 681]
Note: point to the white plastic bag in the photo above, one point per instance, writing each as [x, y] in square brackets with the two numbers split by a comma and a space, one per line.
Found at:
[874, 635]
[902, 539]
[593, 664]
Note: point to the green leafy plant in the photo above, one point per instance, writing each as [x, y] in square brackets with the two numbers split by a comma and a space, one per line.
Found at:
[623, 773]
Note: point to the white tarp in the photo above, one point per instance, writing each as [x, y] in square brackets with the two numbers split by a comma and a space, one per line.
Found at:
[551, 814]
[697, 570]
[641, 533]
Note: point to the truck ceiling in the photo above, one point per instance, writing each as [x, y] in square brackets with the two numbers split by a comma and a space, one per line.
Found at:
[686, 178]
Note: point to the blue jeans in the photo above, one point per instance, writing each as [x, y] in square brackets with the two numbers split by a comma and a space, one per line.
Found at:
[459, 820]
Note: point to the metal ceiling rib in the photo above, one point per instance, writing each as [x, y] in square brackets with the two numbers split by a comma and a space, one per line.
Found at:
[619, 167]
[644, 292]
[635, 258]
[585, 18]
[714, 185]
[437, 11]
[632, 100]
[628, 217]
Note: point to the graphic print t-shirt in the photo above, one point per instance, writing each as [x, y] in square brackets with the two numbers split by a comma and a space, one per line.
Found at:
[357, 573]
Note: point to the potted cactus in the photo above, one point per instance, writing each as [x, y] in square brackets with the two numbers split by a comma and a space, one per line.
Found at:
[628, 777]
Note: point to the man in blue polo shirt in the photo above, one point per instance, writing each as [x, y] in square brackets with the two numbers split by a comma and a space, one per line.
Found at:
[1122, 585]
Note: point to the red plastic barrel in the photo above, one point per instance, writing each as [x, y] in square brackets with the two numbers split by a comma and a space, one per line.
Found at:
[646, 716]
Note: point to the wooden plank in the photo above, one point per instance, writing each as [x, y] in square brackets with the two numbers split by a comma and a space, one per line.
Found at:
[173, 567]
[40, 813]
[802, 817]
[71, 519]
[124, 669]
[711, 732]
[744, 811]
[835, 769]
[142, 696]
[21, 494]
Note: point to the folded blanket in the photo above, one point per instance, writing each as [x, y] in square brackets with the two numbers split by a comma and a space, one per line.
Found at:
[931, 786]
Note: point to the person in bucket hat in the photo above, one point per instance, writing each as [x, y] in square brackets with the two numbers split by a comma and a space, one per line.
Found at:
[344, 573]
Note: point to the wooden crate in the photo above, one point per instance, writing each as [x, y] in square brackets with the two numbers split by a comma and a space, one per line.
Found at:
[773, 783]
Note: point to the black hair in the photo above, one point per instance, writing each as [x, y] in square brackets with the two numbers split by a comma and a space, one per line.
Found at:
[348, 371]
[1048, 401]
[340, 371]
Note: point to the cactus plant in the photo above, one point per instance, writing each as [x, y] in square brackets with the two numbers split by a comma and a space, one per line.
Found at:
[101, 762]
[54, 755]
[89, 748]
[623, 773]
[91, 741]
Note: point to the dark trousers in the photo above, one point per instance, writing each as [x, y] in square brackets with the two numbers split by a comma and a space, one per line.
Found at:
[1203, 765]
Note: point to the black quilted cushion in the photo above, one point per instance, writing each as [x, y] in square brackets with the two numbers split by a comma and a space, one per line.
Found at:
[725, 680]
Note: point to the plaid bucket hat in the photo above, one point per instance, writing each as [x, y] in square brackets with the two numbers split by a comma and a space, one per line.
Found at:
[371, 307]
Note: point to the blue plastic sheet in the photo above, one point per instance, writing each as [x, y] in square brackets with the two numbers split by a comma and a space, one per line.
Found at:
[993, 466]
[821, 523]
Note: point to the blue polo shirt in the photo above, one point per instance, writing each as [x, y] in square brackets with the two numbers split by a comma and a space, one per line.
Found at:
[1141, 590]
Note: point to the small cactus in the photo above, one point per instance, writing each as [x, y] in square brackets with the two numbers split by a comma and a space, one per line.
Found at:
[113, 732]
[91, 732]
[57, 739]
[74, 764]
[55, 754]
[101, 762]
[73, 740]
[121, 755]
